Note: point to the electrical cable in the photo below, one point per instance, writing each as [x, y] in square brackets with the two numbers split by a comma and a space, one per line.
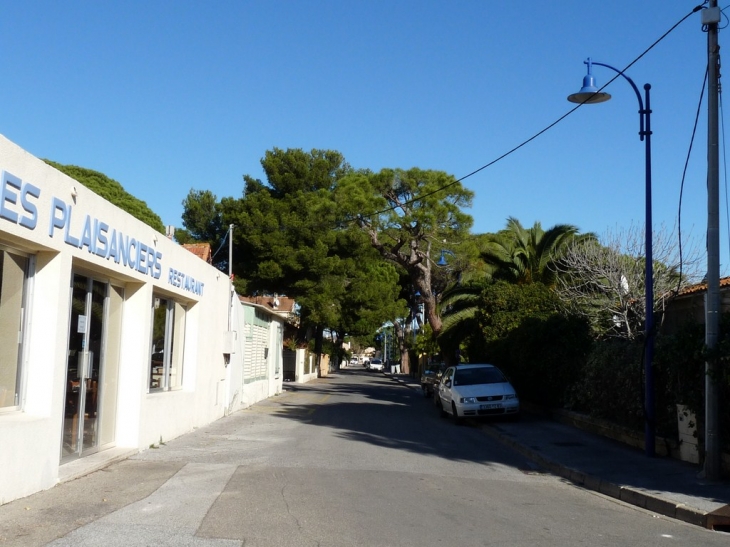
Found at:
[724, 154]
[361, 217]
[542, 131]
[225, 237]
[724, 145]
[684, 176]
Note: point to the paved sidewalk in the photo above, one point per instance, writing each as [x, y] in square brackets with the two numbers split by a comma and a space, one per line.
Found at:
[665, 486]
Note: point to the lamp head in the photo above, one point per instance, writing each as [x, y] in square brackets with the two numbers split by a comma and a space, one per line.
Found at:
[442, 260]
[589, 93]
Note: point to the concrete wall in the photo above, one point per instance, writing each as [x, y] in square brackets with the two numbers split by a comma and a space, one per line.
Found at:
[306, 366]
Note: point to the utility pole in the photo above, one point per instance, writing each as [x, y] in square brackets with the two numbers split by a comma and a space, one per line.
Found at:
[710, 19]
[230, 276]
[230, 252]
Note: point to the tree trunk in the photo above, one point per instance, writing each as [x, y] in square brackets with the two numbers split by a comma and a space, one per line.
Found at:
[402, 349]
[434, 320]
[340, 350]
[318, 342]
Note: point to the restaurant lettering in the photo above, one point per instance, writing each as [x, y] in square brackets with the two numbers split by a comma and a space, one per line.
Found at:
[19, 205]
[104, 241]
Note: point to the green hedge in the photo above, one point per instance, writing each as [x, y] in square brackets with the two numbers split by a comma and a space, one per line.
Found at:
[541, 350]
[546, 355]
[611, 384]
[552, 360]
[680, 376]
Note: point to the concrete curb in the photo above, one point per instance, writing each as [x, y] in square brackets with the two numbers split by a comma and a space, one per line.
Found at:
[629, 495]
[401, 381]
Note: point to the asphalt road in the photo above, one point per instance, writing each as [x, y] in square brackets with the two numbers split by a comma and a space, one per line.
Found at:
[355, 459]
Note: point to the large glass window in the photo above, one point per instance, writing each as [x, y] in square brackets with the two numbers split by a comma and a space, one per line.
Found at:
[13, 275]
[92, 366]
[168, 337]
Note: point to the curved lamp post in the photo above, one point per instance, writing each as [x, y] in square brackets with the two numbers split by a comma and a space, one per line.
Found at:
[589, 94]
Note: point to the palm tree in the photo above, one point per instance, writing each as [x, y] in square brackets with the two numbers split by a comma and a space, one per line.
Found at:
[521, 255]
[515, 254]
[458, 308]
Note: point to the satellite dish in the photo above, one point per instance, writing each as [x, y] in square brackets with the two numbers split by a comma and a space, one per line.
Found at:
[624, 287]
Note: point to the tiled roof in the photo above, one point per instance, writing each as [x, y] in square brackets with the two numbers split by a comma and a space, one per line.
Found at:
[201, 250]
[279, 304]
[702, 287]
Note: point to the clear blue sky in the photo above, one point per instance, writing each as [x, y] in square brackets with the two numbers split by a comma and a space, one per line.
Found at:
[167, 96]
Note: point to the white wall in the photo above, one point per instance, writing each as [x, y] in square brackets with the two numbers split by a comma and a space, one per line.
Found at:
[305, 362]
[30, 438]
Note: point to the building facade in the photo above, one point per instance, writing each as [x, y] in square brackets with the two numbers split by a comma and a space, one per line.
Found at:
[112, 337]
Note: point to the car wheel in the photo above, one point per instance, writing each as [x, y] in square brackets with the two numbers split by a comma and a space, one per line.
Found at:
[457, 419]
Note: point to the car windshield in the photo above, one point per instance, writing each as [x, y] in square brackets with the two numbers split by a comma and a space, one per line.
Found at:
[482, 375]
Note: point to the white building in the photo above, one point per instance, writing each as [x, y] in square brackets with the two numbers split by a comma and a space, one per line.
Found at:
[112, 337]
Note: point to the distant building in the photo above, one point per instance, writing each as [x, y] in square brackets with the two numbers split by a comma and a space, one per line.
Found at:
[280, 305]
[689, 305]
[201, 250]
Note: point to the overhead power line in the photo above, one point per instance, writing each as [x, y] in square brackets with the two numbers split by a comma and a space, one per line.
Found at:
[542, 131]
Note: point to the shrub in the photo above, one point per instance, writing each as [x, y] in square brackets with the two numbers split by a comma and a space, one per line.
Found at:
[611, 384]
[522, 332]
[680, 377]
[546, 357]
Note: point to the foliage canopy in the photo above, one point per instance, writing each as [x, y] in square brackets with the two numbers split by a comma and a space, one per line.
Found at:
[112, 191]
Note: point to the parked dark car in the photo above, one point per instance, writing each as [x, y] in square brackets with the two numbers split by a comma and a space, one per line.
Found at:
[431, 376]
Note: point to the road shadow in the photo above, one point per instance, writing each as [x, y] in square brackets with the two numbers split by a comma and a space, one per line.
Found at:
[398, 418]
[384, 413]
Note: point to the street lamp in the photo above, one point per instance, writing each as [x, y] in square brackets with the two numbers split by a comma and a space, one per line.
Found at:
[442, 261]
[589, 94]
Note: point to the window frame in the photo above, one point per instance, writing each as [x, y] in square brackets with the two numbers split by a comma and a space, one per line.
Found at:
[24, 322]
[173, 343]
